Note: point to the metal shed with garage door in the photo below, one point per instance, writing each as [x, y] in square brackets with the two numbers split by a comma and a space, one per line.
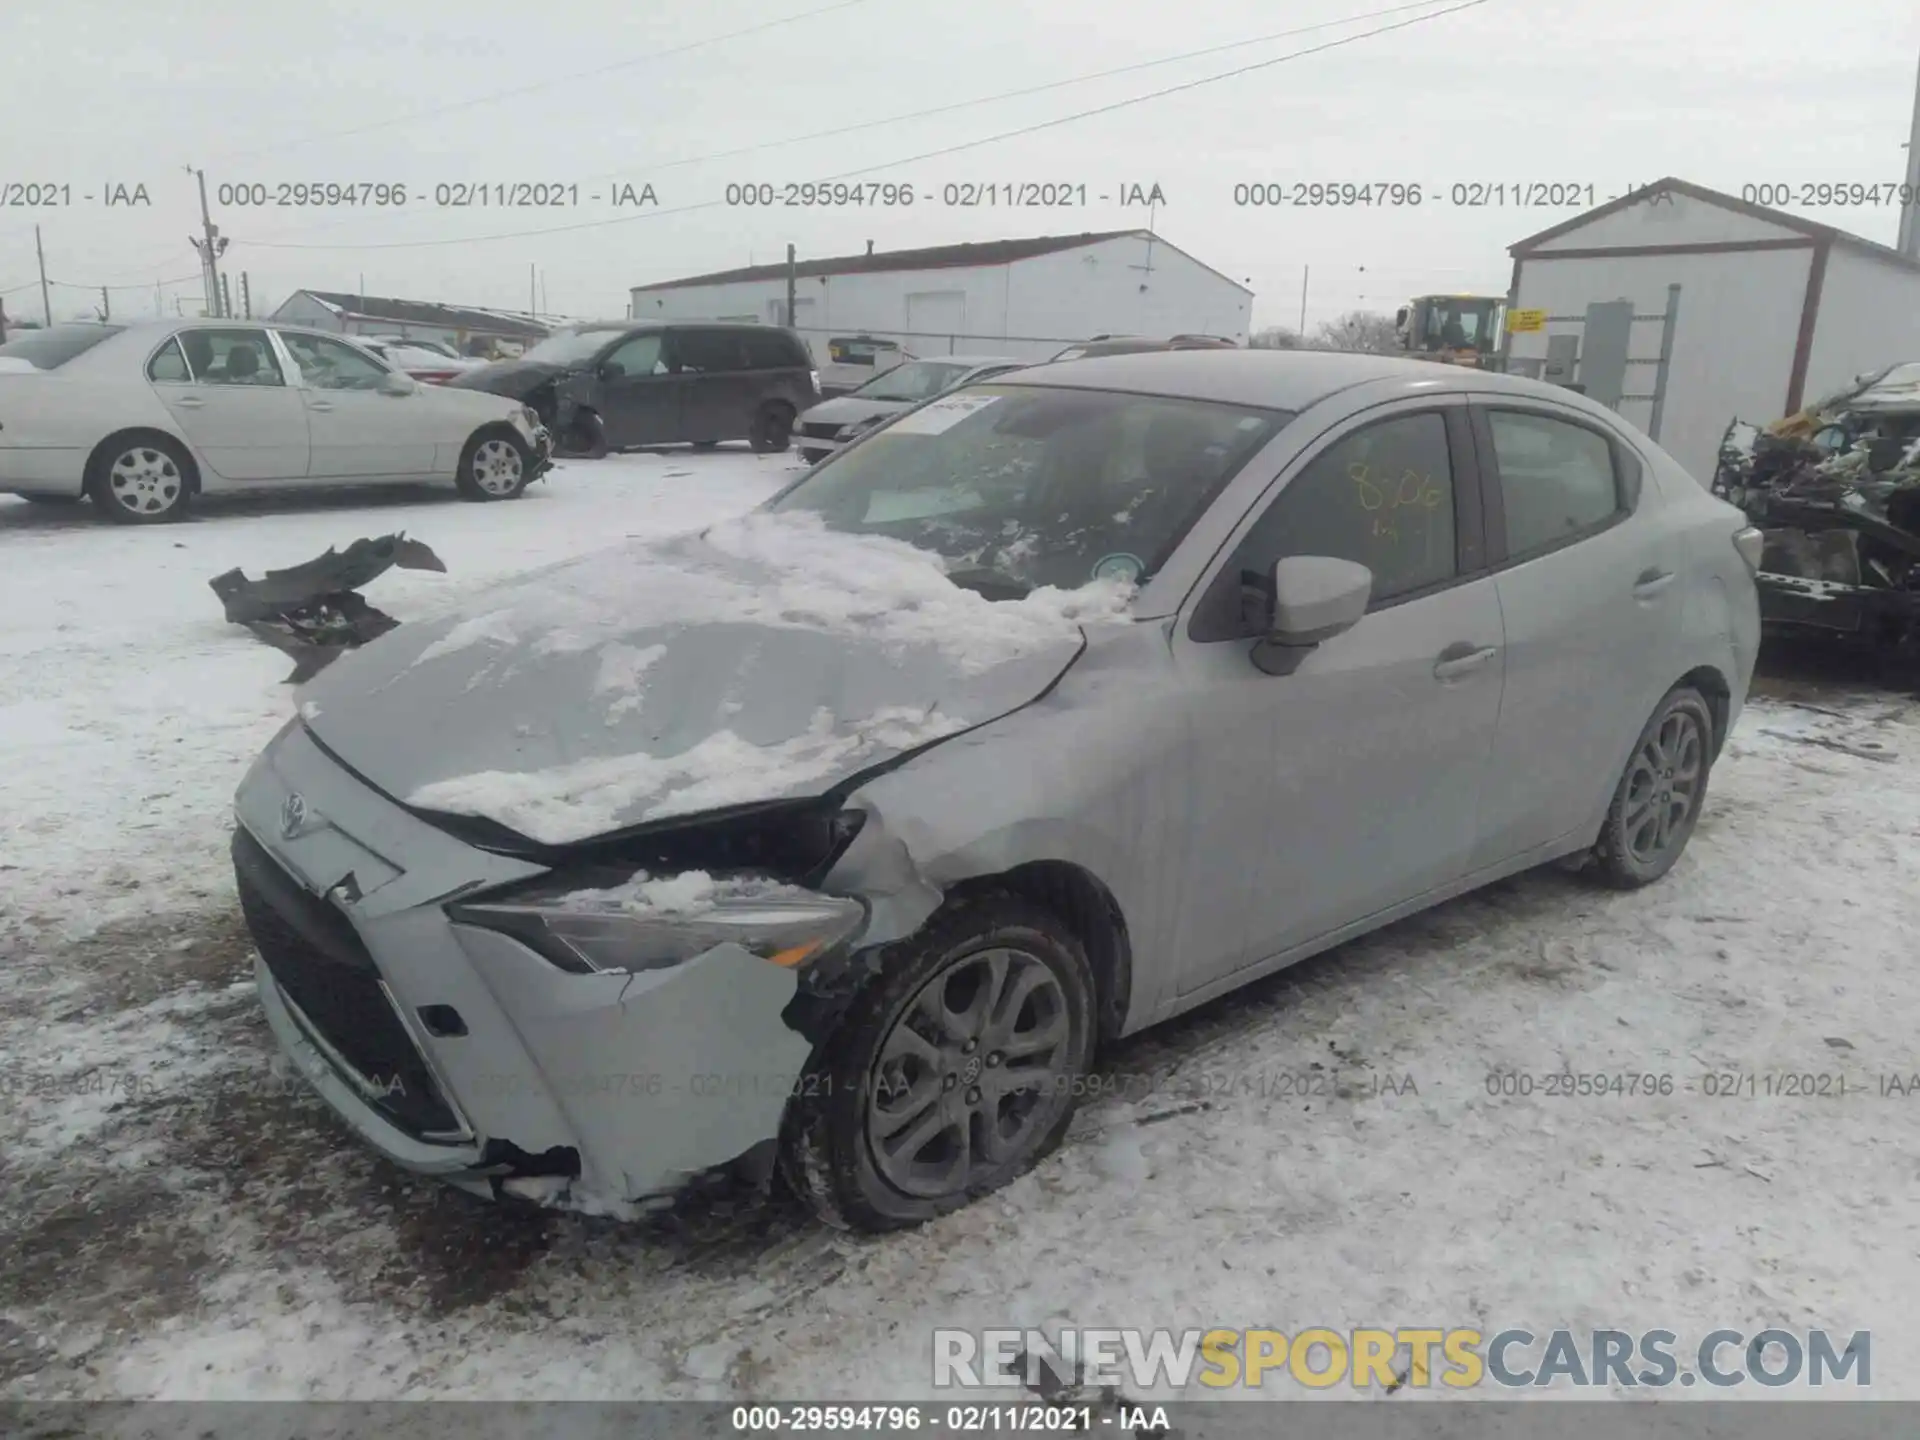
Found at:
[1774, 310]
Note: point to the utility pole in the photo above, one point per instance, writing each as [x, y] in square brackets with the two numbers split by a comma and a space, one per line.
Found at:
[211, 247]
[246, 296]
[3, 320]
[1305, 271]
[533, 291]
[46, 298]
[106, 305]
[793, 282]
[1909, 244]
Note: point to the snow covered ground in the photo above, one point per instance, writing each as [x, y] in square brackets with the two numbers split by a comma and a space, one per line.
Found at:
[179, 1219]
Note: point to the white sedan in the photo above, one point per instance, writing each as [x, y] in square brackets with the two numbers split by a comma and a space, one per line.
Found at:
[142, 417]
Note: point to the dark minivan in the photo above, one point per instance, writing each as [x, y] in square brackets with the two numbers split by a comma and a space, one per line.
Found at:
[623, 384]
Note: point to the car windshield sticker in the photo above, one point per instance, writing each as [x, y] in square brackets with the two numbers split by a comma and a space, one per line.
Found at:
[941, 415]
[1122, 567]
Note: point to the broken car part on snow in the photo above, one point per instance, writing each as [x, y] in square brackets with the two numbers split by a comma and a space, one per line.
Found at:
[311, 611]
[1835, 489]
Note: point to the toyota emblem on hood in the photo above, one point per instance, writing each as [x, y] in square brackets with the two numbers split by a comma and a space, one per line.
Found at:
[293, 816]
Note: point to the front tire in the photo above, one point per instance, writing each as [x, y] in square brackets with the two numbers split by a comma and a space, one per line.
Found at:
[951, 1075]
[494, 466]
[772, 429]
[141, 480]
[586, 437]
[1658, 800]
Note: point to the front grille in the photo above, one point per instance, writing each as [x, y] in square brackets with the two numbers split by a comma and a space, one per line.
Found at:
[321, 965]
[815, 430]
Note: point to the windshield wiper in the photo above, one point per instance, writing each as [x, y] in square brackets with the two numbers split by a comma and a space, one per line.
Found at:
[994, 584]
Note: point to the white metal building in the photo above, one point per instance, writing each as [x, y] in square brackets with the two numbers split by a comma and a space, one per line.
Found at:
[461, 326]
[1773, 312]
[1025, 298]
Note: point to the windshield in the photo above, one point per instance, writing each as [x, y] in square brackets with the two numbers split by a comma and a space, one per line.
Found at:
[572, 347]
[918, 380]
[1458, 324]
[1033, 486]
[50, 349]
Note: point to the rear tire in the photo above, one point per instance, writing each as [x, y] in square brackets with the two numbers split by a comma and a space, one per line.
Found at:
[895, 1123]
[494, 466]
[140, 479]
[1658, 800]
[772, 428]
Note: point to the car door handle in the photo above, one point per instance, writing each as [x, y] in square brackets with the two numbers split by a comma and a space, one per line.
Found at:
[189, 402]
[1460, 660]
[320, 405]
[1651, 583]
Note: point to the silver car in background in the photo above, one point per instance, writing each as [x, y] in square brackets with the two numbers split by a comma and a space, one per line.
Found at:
[837, 422]
[142, 417]
[837, 837]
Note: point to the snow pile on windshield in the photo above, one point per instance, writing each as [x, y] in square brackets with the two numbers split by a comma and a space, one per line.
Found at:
[785, 570]
[590, 797]
[686, 894]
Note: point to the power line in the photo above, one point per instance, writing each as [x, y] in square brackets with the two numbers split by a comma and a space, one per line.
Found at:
[148, 285]
[892, 164]
[1027, 90]
[496, 96]
[956, 105]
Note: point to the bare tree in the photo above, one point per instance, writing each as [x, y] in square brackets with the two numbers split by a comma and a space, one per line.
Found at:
[1363, 330]
[1276, 337]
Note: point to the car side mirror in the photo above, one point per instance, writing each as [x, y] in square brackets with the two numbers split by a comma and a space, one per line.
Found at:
[394, 383]
[1315, 597]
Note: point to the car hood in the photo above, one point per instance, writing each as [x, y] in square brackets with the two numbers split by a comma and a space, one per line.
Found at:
[516, 379]
[766, 658]
[847, 409]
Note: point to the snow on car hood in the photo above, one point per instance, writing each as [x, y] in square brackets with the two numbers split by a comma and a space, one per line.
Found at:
[766, 658]
[515, 379]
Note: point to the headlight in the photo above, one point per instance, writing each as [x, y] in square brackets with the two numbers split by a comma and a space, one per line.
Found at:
[530, 417]
[648, 924]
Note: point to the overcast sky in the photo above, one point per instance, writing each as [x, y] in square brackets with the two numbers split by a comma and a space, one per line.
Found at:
[1605, 93]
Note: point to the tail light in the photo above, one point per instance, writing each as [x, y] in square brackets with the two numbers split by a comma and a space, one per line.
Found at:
[1752, 545]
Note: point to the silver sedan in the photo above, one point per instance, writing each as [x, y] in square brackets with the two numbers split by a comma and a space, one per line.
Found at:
[140, 418]
[839, 836]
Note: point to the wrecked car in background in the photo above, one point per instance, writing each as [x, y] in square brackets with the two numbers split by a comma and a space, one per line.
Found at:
[1835, 492]
[837, 836]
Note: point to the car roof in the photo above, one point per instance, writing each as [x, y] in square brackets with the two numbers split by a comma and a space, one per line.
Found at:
[1268, 379]
[972, 361]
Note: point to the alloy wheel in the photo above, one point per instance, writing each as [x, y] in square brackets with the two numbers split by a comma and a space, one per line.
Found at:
[1663, 787]
[496, 467]
[971, 1074]
[145, 481]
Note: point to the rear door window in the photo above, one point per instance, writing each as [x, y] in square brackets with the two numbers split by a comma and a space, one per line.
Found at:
[1558, 480]
[708, 352]
[169, 365]
[770, 352]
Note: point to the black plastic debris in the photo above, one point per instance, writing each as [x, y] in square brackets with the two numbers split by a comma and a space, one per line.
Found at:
[311, 611]
[1835, 490]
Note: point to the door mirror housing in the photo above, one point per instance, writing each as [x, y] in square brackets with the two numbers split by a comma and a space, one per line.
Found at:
[1316, 597]
[397, 384]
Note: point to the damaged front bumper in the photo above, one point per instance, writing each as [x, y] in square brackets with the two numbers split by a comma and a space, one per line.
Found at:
[460, 1052]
